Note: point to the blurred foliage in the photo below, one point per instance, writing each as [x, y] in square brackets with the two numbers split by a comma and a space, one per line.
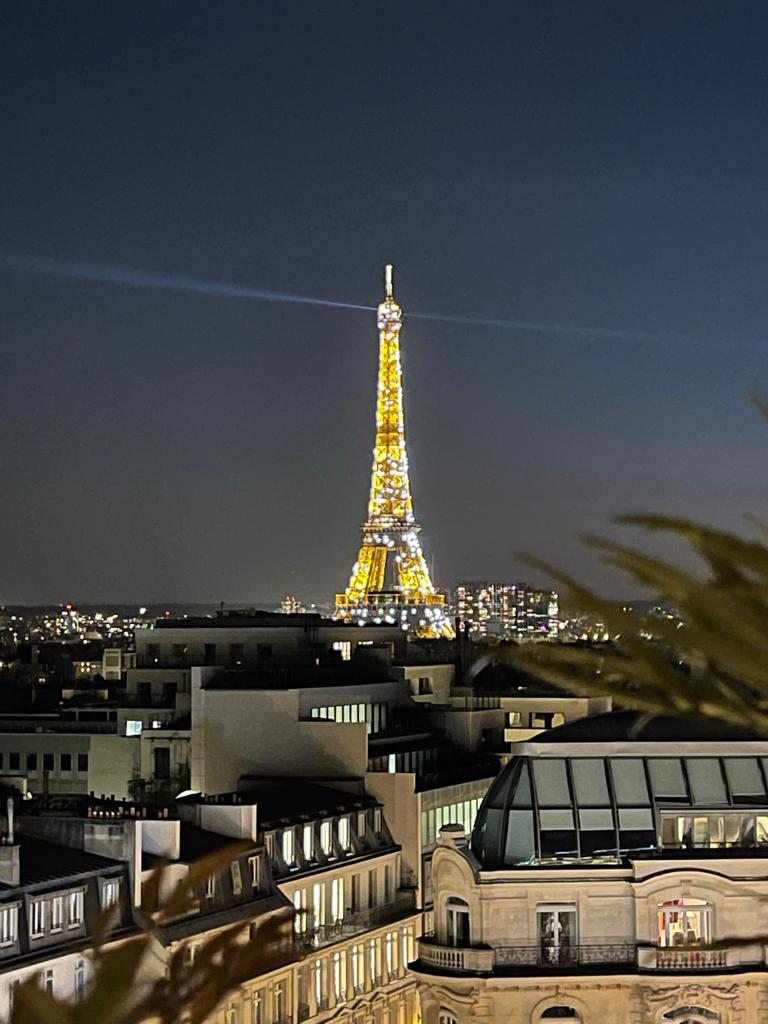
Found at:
[712, 665]
[133, 979]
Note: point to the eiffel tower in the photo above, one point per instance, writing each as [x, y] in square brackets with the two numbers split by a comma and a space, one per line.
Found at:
[390, 581]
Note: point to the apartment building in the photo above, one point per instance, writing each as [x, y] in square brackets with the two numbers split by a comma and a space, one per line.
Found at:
[616, 873]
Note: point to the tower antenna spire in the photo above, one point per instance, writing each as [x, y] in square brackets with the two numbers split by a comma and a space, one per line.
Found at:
[388, 280]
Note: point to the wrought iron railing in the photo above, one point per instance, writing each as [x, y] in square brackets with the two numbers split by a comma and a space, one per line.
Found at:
[356, 922]
[544, 955]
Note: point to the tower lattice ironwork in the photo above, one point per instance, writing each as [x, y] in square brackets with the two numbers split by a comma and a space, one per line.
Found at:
[390, 581]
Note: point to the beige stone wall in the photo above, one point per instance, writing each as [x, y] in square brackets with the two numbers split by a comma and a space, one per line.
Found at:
[737, 999]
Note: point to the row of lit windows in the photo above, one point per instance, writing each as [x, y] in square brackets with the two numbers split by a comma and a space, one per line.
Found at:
[31, 762]
[417, 761]
[236, 878]
[462, 813]
[303, 845]
[330, 902]
[331, 981]
[374, 715]
[714, 830]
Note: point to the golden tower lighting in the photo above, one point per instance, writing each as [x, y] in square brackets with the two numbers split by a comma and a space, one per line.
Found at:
[390, 581]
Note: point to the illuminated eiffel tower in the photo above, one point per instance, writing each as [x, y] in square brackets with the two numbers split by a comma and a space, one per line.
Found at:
[390, 581]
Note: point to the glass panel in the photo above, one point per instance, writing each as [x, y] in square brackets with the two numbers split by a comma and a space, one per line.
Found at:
[558, 843]
[589, 781]
[551, 782]
[762, 831]
[706, 779]
[635, 817]
[557, 819]
[629, 780]
[744, 776]
[667, 777]
[489, 829]
[521, 796]
[588, 819]
[519, 846]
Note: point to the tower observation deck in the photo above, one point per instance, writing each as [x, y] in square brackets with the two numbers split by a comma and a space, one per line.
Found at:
[390, 581]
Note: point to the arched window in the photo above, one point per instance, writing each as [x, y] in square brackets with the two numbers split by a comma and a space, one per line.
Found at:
[560, 1013]
[691, 1015]
[446, 1017]
[684, 922]
[457, 922]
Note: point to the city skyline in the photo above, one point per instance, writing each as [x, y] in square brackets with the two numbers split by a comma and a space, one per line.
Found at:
[167, 446]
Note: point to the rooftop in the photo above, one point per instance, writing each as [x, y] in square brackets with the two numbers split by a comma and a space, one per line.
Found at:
[641, 727]
[293, 799]
[42, 861]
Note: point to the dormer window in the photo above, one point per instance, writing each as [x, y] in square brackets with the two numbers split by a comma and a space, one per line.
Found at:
[237, 878]
[9, 918]
[37, 924]
[326, 838]
[308, 842]
[110, 893]
[75, 909]
[289, 847]
[344, 837]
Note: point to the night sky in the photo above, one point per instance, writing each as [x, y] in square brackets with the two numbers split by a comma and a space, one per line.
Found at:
[586, 165]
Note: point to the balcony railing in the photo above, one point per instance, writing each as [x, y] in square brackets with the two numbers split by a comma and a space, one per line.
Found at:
[486, 959]
[550, 956]
[354, 923]
[656, 958]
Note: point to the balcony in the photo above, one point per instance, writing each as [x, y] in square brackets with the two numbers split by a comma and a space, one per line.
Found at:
[354, 923]
[549, 958]
[694, 959]
[525, 959]
[593, 957]
[455, 958]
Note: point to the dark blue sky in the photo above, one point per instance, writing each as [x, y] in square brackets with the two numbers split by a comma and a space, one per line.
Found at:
[582, 164]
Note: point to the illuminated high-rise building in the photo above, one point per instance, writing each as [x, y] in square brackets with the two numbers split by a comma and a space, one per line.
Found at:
[390, 581]
[508, 611]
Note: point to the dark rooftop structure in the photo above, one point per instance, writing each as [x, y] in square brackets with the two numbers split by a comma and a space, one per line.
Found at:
[287, 800]
[640, 726]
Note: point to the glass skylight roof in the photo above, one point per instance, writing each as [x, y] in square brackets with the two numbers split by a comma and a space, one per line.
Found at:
[550, 809]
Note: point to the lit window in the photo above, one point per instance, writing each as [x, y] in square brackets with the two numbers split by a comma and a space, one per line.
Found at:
[237, 878]
[326, 838]
[390, 954]
[377, 820]
[279, 1002]
[75, 909]
[344, 833]
[357, 969]
[361, 824]
[110, 893]
[339, 981]
[57, 913]
[133, 727]
[38, 917]
[8, 925]
[253, 864]
[289, 847]
[300, 906]
[337, 899]
[210, 887]
[308, 842]
[684, 923]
